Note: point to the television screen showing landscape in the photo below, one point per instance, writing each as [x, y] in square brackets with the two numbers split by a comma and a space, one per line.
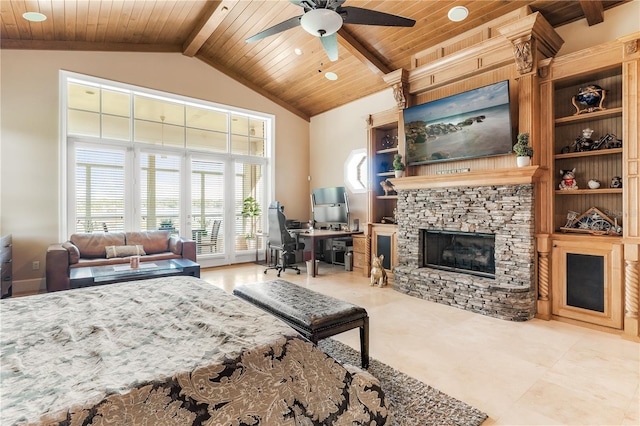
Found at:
[472, 124]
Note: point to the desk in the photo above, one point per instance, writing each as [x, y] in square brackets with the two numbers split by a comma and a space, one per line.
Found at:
[319, 234]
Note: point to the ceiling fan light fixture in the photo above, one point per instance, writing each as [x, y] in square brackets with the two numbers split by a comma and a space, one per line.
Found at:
[321, 22]
[34, 16]
[458, 13]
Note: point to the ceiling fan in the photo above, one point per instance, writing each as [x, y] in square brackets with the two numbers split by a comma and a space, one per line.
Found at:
[323, 18]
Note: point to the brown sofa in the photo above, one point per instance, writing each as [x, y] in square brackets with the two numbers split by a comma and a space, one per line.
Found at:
[90, 249]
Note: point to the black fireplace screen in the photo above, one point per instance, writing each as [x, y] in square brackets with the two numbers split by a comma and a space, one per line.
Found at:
[467, 252]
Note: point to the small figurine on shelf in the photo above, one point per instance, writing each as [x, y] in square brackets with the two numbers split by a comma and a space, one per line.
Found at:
[585, 143]
[581, 143]
[616, 182]
[591, 96]
[387, 186]
[605, 142]
[594, 184]
[571, 218]
[568, 181]
[389, 141]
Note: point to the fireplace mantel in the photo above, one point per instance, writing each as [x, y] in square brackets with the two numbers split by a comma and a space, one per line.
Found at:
[511, 176]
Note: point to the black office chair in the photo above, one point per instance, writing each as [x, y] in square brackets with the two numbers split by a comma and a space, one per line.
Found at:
[281, 241]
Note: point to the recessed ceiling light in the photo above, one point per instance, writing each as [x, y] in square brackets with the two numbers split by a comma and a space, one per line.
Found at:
[331, 76]
[34, 16]
[458, 13]
[297, 51]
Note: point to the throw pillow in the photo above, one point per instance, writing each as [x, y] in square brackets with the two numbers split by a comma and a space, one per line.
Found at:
[124, 251]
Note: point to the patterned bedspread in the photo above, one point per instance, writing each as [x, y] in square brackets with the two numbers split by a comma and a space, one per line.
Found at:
[168, 351]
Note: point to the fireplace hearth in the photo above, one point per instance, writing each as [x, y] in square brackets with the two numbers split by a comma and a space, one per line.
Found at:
[466, 252]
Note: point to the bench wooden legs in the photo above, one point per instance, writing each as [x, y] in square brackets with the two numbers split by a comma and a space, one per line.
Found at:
[362, 324]
[364, 343]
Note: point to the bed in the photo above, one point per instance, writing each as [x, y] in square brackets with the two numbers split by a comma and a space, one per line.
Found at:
[169, 351]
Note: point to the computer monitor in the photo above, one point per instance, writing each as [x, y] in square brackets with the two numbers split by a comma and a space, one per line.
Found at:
[330, 206]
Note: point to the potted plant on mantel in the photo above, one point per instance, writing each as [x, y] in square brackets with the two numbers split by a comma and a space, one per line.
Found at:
[523, 151]
[398, 165]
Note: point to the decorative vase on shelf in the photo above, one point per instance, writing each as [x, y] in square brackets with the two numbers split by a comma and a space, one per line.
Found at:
[591, 97]
[399, 173]
[523, 161]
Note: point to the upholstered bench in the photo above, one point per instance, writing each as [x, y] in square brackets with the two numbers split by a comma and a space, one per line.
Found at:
[312, 314]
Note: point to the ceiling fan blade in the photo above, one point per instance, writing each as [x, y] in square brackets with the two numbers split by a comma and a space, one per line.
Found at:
[357, 15]
[282, 26]
[330, 44]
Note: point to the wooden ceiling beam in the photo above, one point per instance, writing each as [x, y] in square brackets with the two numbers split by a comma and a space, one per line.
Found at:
[256, 88]
[88, 46]
[209, 22]
[362, 53]
[593, 11]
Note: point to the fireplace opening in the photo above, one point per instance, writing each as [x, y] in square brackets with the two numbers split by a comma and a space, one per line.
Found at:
[467, 252]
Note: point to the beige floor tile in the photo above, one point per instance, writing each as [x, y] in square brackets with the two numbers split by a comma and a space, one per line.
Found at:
[526, 373]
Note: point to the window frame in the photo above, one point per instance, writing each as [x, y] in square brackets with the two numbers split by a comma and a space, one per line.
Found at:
[132, 221]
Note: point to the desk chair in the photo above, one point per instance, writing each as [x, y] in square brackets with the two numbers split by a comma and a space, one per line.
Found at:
[281, 241]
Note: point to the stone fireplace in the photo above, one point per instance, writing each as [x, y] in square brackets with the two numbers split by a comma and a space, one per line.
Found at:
[504, 212]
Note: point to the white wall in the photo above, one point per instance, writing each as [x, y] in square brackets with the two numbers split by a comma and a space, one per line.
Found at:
[334, 134]
[29, 131]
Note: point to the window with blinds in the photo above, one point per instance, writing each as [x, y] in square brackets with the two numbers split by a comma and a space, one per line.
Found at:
[99, 189]
[160, 192]
[146, 160]
[207, 205]
[249, 185]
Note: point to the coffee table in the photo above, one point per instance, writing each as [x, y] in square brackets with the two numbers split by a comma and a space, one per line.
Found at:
[88, 276]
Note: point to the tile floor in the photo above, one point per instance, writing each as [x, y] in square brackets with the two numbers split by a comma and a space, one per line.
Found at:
[532, 373]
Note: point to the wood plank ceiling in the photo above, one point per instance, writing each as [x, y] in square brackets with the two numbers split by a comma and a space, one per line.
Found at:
[215, 32]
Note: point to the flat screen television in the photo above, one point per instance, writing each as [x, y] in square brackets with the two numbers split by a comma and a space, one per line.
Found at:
[472, 124]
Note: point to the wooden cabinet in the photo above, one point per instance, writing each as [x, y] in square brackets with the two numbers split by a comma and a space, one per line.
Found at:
[603, 164]
[383, 146]
[360, 264]
[6, 265]
[384, 241]
[385, 141]
[577, 261]
[587, 280]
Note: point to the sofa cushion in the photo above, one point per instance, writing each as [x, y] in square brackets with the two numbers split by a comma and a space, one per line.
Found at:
[74, 253]
[124, 251]
[175, 245]
[151, 241]
[92, 246]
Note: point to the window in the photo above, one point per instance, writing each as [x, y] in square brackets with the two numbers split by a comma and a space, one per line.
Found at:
[142, 160]
[208, 205]
[355, 171]
[99, 190]
[160, 192]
